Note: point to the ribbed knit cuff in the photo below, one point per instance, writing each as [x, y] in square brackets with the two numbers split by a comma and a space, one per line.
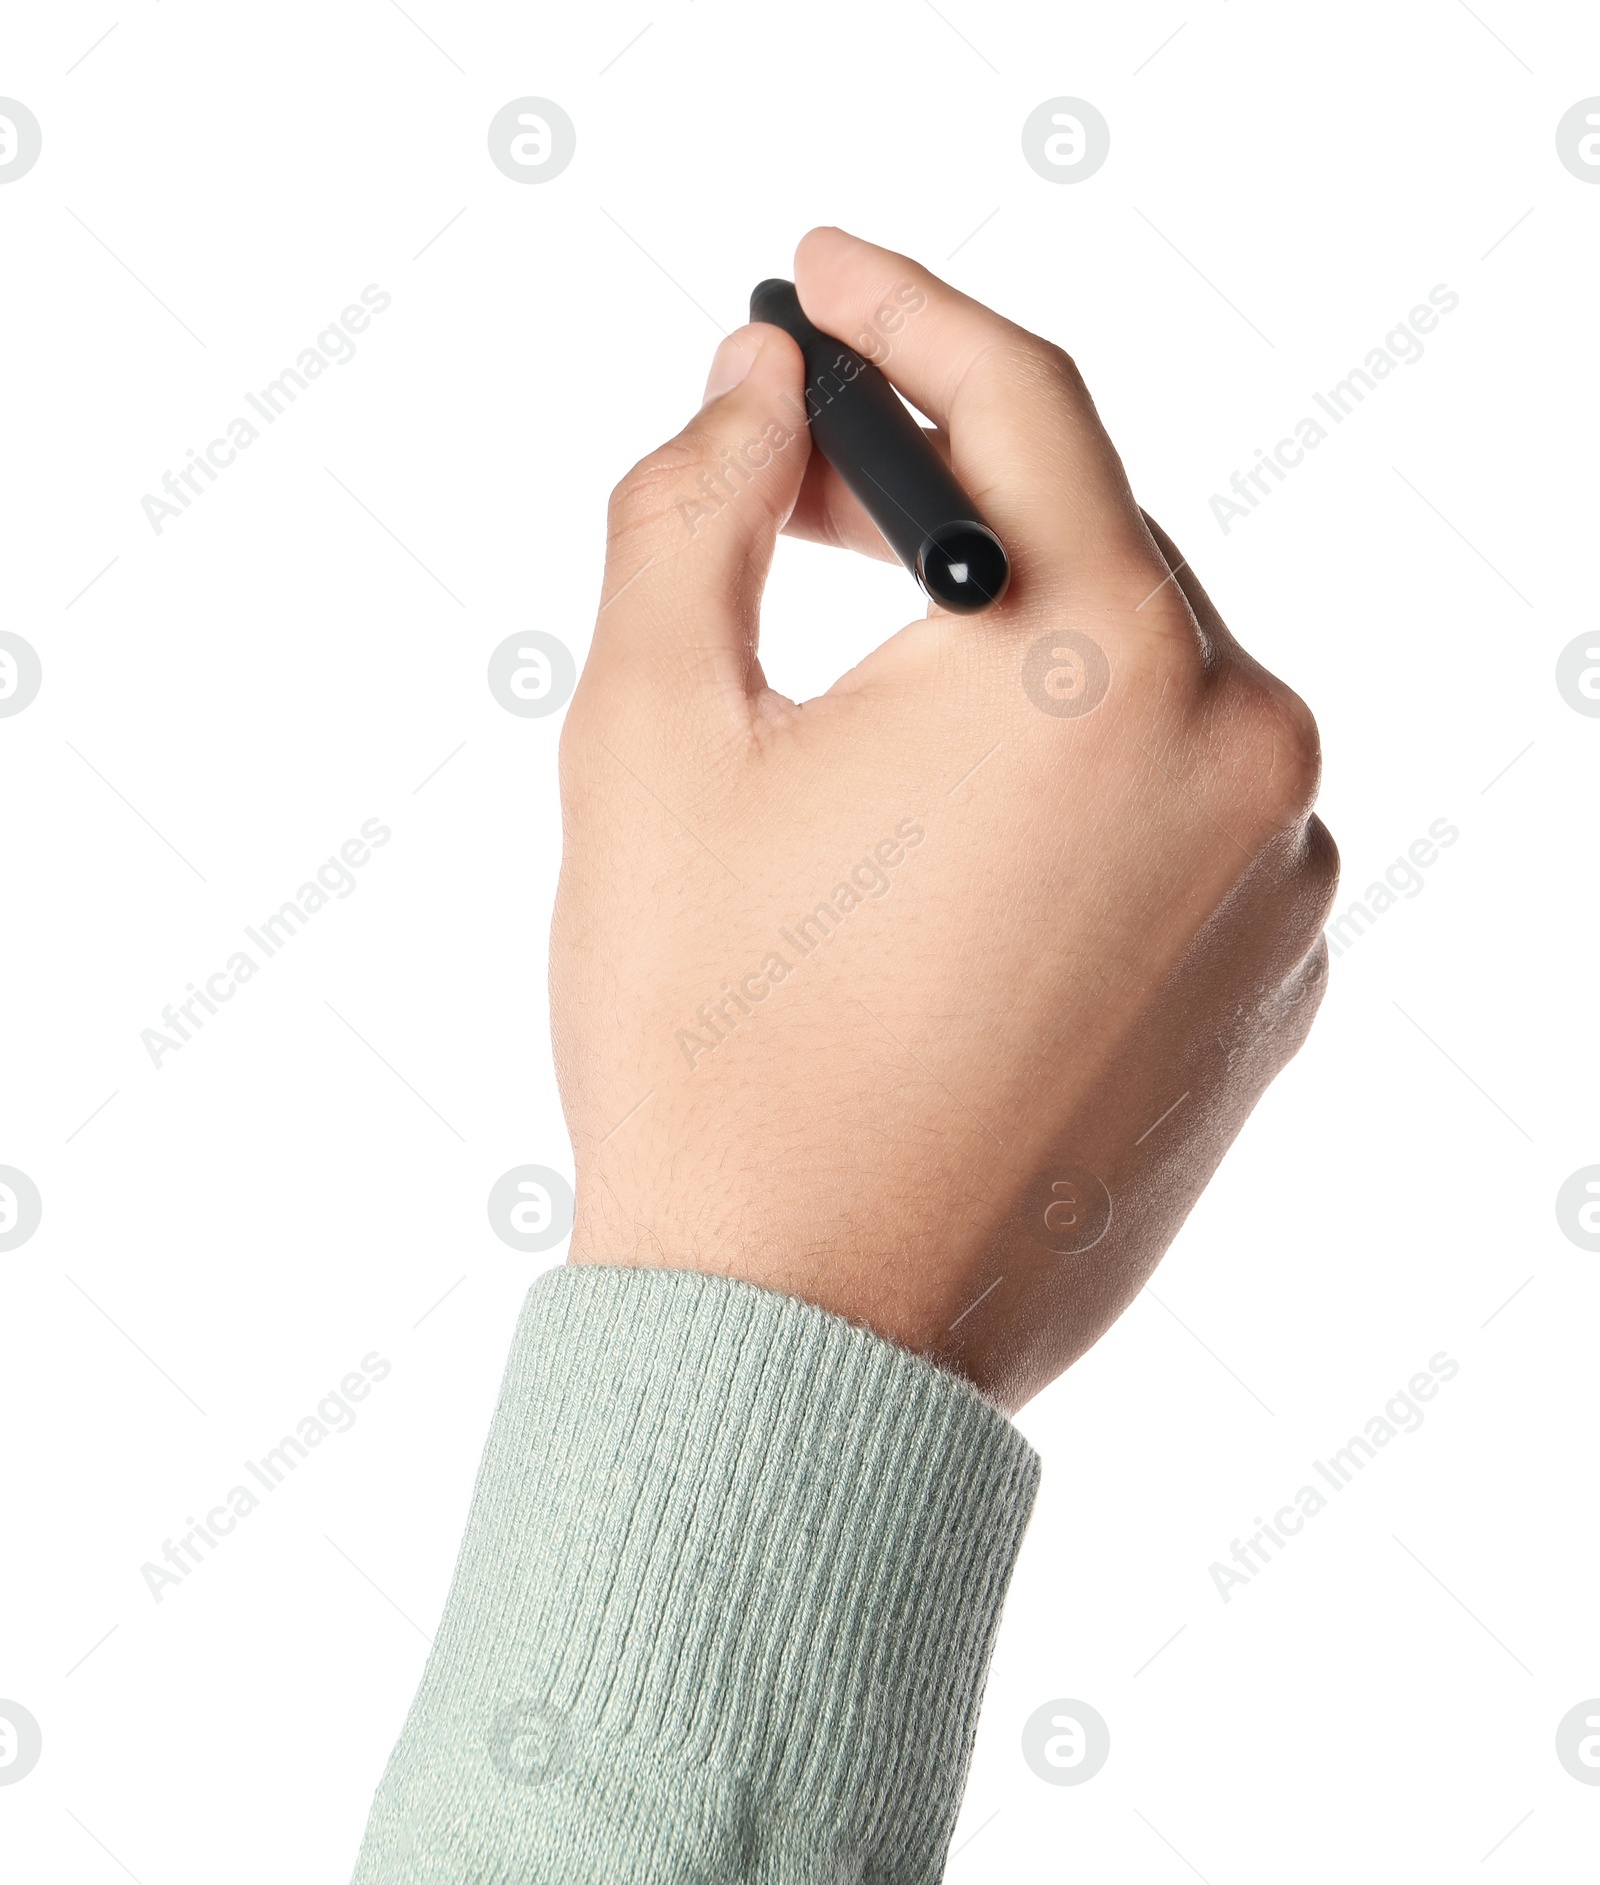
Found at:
[724, 1607]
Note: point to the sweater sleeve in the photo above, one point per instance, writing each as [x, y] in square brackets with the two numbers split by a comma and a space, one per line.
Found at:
[724, 1608]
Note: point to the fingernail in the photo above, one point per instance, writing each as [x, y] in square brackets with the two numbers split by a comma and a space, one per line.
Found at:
[731, 362]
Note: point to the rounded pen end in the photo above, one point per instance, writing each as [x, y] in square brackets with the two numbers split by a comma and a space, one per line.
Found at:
[963, 566]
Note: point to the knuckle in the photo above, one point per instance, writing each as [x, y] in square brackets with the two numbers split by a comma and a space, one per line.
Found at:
[1272, 750]
[1038, 367]
[653, 488]
[1320, 869]
[1309, 886]
[1062, 367]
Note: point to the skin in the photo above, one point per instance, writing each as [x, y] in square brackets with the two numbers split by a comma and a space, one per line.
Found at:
[1106, 911]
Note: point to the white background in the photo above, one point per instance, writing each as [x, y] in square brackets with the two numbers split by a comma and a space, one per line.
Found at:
[305, 1182]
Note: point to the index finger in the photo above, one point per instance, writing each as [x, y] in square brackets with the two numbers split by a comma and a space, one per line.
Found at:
[1026, 441]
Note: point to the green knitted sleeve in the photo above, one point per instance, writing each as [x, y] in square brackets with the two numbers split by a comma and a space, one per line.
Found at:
[724, 1607]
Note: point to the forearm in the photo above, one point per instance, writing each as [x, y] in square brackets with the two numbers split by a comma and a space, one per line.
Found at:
[724, 1607]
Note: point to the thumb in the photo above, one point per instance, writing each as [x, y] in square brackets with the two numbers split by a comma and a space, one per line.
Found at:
[692, 528]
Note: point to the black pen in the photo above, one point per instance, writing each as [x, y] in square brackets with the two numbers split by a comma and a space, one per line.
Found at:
[860, 426]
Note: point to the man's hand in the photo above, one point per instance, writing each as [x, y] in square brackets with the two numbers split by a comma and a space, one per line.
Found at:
[934, 1001]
